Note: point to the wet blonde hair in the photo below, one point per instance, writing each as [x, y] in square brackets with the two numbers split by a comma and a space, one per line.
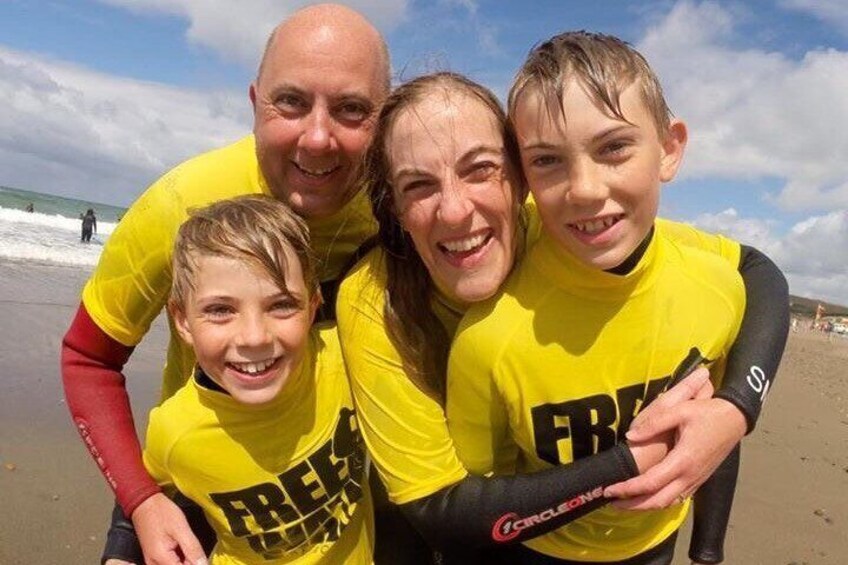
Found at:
[255, 229]
[604, 64]
[413, 327]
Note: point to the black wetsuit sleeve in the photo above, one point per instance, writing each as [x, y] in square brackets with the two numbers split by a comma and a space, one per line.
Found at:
[713, 502]
[753, 360]
[751, 367]
[478, 512]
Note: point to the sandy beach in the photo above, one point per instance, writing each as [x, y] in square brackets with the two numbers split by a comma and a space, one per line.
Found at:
[791, 504]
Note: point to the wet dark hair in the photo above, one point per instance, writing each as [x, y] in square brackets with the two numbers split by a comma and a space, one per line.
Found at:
[604, 64]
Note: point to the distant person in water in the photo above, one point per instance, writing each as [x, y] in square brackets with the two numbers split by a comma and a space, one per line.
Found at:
[89, 225]
[30, 207]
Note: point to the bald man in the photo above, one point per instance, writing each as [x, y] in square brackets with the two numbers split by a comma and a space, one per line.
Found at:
[323, 76]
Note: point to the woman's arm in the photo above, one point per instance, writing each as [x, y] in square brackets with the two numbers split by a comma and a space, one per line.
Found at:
[709, 429]
[407, 436]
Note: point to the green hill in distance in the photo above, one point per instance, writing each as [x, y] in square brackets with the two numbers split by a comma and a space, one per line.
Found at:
[807, 307]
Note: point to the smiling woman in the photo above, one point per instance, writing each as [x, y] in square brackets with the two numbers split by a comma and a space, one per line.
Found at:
[447, 192]
[453, 193]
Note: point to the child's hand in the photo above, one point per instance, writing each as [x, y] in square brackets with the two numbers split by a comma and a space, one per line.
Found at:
[117, 562]
[164, 533]
[706, 428]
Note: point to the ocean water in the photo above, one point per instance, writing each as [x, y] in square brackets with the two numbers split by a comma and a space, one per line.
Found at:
[51, 233]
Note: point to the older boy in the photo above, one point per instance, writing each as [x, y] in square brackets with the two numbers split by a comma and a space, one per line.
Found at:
[263, 437]
[604, 309]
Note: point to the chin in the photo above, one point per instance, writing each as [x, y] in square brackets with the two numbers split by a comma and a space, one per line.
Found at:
[476, 293]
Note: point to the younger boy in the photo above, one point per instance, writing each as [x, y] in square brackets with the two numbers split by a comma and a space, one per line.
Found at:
[264, 436]
[603, 309]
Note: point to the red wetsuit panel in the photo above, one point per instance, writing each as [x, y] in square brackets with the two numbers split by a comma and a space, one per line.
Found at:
[97, 398]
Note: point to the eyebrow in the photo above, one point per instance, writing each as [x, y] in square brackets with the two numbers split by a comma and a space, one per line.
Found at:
[289, 88]
[608, 132]
[465, 157]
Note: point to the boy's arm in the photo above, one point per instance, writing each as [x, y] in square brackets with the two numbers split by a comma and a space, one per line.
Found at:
[709, 429]
[713, 502]
[755, 356]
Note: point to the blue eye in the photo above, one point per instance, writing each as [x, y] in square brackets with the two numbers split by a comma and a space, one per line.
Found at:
[352, 111]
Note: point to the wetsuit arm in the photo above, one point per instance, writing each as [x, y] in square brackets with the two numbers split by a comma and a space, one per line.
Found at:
[97, 398]
[478, 512]
[754, 358]
[751, 367]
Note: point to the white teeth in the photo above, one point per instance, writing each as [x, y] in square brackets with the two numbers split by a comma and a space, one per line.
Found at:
[467, 244]
[253, 368]
[315, 172]
[594, 226]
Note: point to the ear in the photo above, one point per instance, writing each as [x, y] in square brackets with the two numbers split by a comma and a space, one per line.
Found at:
[180, 323]
[251, 92]
[673, 148]
[315, 303]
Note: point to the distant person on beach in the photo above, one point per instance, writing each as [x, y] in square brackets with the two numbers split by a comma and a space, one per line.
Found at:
[244, 297]
[30, 207]
[322, 78]
[89, 225]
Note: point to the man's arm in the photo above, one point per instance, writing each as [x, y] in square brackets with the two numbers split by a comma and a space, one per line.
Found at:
[97, 398]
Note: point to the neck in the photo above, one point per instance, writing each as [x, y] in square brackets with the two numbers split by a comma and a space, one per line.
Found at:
[630, 263]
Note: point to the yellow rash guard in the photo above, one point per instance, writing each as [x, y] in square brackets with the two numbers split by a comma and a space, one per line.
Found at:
[280, 483]
[557, 366]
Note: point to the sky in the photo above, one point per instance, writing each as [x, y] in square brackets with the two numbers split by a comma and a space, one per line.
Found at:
[100, 97]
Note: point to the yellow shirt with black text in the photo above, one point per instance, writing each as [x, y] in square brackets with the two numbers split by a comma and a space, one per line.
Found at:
[283, 482]
[130, 286]
[557, 366]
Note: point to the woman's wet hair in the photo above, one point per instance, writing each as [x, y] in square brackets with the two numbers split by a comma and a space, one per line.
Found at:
[413, 326]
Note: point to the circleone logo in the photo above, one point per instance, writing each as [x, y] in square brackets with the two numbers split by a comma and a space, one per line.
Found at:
[503, 529]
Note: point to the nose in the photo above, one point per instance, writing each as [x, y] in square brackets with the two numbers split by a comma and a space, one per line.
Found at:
[455, 207]
[253, 332]
[585, 184]
[317, 135]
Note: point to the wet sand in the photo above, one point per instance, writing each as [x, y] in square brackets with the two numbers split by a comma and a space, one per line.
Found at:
[791, 504]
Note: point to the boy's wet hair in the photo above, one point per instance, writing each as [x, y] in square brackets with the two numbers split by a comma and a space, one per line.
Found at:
[255, 229]
[605, 65]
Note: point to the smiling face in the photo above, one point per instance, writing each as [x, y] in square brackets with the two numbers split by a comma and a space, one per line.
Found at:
[452, 192]
[314, 101]
[595, 178]
[249, 337]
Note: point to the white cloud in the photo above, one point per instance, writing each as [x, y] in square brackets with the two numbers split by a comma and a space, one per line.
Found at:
[753, 113]
[813, 254]
[237, 31]
[73, 131]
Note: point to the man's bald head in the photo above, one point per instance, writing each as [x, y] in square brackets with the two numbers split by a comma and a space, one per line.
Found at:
[322, 81]
[331, 19]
